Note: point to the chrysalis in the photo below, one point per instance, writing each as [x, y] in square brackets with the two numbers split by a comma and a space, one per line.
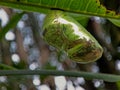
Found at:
[63, 32]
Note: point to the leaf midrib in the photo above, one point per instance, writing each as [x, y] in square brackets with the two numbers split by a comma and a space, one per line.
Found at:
[45, 9]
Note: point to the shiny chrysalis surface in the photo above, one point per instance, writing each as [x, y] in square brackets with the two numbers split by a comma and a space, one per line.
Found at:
[63, 32]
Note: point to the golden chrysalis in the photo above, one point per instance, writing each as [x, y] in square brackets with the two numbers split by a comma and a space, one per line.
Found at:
[63, 32]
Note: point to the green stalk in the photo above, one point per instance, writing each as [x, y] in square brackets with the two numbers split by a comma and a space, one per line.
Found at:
[86, 75]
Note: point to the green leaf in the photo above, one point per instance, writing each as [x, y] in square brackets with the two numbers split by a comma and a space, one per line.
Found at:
[6, 67]
[118, 85]
[83, 20]
[87, 7]
[115, 22]
[11, 24]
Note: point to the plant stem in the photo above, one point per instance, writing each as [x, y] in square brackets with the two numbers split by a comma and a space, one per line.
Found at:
[86, 75]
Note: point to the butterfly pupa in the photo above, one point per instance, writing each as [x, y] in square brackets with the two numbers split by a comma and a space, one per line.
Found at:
[64, 32]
